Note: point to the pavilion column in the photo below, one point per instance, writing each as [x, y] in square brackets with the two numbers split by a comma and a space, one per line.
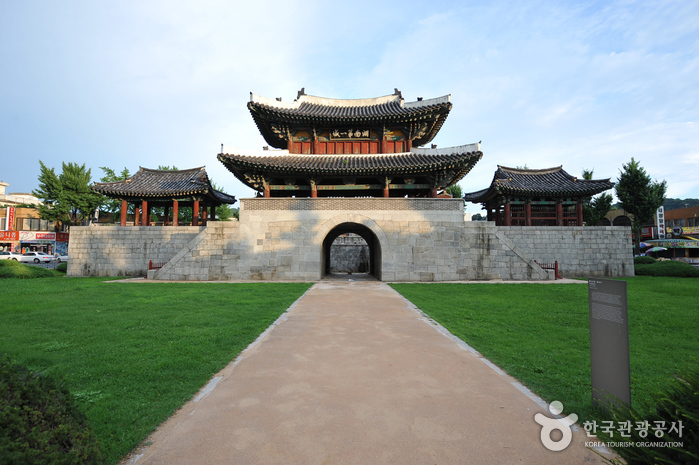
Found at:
[203, 216]
[409, 145]
[314, 189]
[433, 192]
[213, 213]
[175, 212]
[528, 213]
[385, 187]
[559, 213]
[490, 214]
[136, 214]
[144, 213]
[195, 213]
[148, 215]
[579, 213]
[166, 220]
[124, 210]
[508, 214]
[266, 192]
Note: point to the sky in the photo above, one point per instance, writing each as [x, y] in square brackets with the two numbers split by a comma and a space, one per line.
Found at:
[586, 85]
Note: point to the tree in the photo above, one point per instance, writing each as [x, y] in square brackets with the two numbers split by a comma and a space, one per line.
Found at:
[478, 217]
[595, 209]
[79, 198]
[53, 208]
[640, 196]
[67, 198]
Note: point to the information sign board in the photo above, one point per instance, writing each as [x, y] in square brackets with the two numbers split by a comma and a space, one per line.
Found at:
[609, 341]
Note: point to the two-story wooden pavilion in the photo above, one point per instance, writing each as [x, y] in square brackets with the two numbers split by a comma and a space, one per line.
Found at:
[547, 197]
[351, 148]
[171, 190]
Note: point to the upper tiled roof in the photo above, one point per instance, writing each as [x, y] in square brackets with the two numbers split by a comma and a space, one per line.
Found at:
[311, 111]
[149, 184]
[461, 158]
[551, 182]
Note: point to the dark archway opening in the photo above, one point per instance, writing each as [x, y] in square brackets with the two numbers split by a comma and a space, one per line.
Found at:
[374, 259]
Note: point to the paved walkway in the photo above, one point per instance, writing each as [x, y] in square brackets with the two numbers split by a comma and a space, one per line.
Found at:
[353, 374]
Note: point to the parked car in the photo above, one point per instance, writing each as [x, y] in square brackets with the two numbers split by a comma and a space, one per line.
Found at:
[36, 257]
[61, 258]
[9, 256]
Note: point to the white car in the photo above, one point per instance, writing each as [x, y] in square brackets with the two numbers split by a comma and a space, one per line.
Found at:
[9, 256]
[35, 257]
[61, 258]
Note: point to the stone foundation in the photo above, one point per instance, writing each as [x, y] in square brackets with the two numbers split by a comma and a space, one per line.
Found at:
[408, 240]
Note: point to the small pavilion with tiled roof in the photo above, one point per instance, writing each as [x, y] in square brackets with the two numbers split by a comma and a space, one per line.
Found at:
[169, 189]
[350, 148]
[546, 197]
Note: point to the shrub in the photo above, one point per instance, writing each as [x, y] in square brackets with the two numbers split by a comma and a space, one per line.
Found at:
[13, 269]
[40, 422]
[62, 267]
[643, 260]
[678, 402]
[670, 268]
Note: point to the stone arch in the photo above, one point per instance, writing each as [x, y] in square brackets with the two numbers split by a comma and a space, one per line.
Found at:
[363, 226]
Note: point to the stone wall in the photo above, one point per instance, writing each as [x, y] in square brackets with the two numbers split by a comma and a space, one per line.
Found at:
[409, 240]
[124, 250]
[349, 254]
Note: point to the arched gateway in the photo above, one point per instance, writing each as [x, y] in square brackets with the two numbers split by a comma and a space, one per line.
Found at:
[365, 233]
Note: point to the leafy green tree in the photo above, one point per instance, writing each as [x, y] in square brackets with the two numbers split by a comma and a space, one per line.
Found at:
[455, 191]
[53, 207]
[640, 196]
[478, 217]
[80, 199]
[595, 209]
[67, 198]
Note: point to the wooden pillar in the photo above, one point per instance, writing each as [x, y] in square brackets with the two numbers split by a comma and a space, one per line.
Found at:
[175, 212]
[528, 213]
[124, 210]
[203, 216]
[144, 213]
[195, 213]
[433, 193]
[213, 213]
[579, 213]
[266, 192]
[148, 215]
[508, 214]
[385, 187]
[314, 189]
[490, 215]
[559, 213]
[409, 145]
[136, 214]
[166, 220]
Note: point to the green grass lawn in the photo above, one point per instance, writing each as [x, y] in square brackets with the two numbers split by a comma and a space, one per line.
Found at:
[132, 354]
[539, 333]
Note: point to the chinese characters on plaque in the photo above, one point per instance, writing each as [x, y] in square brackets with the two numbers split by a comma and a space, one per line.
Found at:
[349, 134]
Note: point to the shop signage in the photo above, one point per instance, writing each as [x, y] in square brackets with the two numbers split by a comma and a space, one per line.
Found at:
[10, 223]
[660, 221]
[37, 237]
[9, 236]
[62, 237]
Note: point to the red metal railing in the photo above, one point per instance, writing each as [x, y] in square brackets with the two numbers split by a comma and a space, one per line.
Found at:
[550, 266]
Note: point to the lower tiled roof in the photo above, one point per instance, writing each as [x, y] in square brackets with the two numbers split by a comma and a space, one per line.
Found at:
[280, 162]
[163, 184]
[551, 182]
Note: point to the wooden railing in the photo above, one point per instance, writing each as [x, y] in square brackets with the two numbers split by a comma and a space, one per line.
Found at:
[550, 266]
